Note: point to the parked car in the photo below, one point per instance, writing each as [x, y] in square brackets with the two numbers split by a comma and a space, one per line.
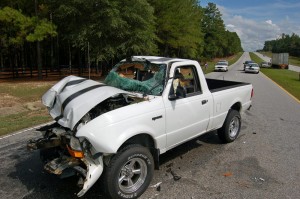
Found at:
[221, 66]
[252, 68]
[247, 63]
[123, 125]
[265, 64]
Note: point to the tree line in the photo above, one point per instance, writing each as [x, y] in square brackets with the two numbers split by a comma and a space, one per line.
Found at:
[284, 44]
[51, 34]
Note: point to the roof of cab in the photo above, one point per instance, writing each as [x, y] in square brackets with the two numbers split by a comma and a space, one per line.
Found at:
[158, 60]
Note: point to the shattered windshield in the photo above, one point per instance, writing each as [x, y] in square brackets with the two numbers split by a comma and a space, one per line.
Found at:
[138, 76]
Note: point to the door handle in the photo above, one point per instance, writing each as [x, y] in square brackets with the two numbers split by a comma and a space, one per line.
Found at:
[204, 101]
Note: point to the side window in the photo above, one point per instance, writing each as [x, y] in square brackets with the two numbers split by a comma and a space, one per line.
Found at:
[185, 82]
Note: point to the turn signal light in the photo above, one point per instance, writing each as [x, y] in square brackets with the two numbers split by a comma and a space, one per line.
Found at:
[75, 154]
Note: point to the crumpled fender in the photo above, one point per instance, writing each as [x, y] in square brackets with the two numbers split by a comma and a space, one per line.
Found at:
[94, 171]
[72, 97]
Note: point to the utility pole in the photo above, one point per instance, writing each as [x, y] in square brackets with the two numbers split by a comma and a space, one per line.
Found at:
[38, 48]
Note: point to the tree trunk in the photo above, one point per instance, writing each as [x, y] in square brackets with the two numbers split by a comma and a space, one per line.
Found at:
[70, 58]
[38, 47]
[97, 65]
[2, 62]
[52, 50]
[23, 59]
[57, 53]
[39, 59]
[88, 59]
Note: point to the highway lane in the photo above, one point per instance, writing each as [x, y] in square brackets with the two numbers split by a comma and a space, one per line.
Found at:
[262, 163]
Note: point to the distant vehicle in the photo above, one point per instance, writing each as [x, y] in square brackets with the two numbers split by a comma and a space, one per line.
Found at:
[280, 60]
[265, 64]
[225, 61]
[221, 66]
[252, 68]
[247, 63]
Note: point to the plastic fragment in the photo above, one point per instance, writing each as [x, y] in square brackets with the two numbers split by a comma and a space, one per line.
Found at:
[227, 174]
[175, 176]
[156, 185]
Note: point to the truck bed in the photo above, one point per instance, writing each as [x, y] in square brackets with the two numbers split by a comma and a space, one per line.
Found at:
[215, 85]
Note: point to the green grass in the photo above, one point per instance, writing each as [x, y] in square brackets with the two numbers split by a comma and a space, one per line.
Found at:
[287, 79]
[25, 91]
[18, 121]
[294, 60]
[14, 111]
[255, 58]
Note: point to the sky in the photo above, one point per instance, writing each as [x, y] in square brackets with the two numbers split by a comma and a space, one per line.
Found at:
[257, 21]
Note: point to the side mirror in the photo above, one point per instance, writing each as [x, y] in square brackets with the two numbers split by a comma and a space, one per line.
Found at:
[172, 97]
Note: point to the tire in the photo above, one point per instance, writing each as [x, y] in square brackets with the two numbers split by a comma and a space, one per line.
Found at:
[231, 127]
[129, 172]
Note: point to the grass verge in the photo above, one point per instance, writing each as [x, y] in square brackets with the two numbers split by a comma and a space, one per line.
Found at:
[20, 105]
[287, 79]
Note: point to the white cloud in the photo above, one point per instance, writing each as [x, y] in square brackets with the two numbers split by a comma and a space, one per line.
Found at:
[230, 26]
[252, 33]
[270, 22]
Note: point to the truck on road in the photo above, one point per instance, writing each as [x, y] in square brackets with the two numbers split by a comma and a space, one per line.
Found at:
[118, 129]
[280, 60]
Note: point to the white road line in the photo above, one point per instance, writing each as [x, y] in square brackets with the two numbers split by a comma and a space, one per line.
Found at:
[24, 131]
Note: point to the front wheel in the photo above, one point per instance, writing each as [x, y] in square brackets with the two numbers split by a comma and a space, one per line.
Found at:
[130, 172]
[231, 127]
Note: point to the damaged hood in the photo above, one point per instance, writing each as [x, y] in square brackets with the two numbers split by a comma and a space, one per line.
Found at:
[72, 97]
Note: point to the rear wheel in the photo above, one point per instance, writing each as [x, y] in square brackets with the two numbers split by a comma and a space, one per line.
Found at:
[231, 127]
[129, 173]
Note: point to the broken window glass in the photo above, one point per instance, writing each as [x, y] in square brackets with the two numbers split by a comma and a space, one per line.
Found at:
[138, 75]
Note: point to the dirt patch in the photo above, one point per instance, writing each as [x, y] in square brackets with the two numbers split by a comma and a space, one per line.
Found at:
[9, 101]
[34, 106]
[11, 110]
[10, 105]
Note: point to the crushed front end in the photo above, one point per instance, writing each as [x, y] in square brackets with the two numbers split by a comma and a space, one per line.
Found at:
[65, 155]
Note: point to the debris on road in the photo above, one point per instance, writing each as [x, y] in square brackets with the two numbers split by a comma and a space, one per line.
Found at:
[259, 180]
[175, 176]
[157, 186]
[227, 174]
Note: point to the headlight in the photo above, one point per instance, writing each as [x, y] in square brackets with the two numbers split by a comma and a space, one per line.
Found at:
[75, 144]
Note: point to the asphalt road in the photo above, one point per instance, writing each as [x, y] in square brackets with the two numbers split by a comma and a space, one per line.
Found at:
[262, 163]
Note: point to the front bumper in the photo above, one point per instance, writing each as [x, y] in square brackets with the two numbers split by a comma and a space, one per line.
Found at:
[89, 167]
[251, 71]
[220, 69]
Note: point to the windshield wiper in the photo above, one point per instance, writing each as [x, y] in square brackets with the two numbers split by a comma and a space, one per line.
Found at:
[151, 89]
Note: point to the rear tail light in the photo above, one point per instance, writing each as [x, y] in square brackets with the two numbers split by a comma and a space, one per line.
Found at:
[252, 93]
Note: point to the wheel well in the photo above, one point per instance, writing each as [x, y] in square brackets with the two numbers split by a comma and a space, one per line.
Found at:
[146, 141]
[237, 106]
[141, 139]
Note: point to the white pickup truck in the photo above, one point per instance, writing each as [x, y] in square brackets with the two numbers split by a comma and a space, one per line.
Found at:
[145, 107]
